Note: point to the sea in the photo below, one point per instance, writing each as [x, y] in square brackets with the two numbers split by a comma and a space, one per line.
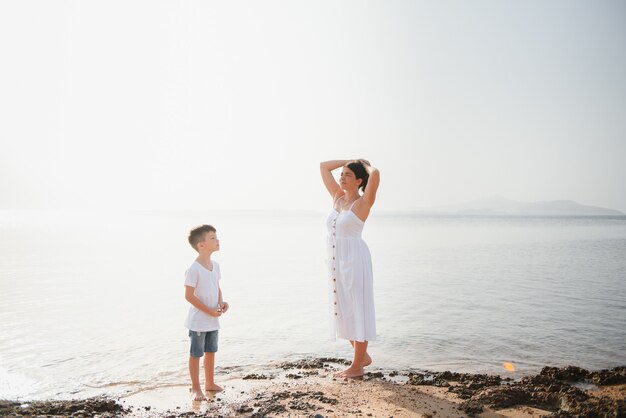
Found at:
[92, 303]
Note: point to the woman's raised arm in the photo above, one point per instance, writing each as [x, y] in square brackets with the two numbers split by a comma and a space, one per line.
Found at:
[326, 169]
[369, 194]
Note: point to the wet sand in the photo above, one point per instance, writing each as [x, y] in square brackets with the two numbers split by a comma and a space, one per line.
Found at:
[306, 388]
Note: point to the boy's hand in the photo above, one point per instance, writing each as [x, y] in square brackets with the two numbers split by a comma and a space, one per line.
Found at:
[215, 312]
[224, 307]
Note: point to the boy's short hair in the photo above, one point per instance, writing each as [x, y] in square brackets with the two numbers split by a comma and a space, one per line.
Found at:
[197, 234]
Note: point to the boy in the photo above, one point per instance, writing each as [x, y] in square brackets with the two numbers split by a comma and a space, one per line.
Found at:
[203, 291]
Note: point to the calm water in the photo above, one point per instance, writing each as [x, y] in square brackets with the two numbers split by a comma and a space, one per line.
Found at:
[93, 303]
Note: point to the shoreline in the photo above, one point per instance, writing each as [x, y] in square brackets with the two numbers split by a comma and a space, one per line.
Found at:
[306, 388]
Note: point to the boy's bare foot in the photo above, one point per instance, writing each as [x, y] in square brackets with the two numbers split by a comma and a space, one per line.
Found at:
[197, 395]
[213, 388]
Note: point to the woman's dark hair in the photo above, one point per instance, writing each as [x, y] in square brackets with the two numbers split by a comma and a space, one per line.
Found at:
[359, 172]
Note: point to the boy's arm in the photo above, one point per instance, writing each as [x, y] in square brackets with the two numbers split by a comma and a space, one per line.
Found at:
[221, 302]
[191, 298]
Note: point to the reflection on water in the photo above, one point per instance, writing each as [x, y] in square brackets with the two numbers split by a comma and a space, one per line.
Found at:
[93, 303]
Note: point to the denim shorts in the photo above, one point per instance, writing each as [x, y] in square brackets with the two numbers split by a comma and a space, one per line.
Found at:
[202, 342]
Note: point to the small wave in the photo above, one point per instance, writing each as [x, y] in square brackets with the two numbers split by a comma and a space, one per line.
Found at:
[54, 363]
[114, 384]
[149, 388]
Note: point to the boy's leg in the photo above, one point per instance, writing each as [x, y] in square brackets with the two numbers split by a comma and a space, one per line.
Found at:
[210, 348]
[194, 373]
[209, 373]
[194, 365]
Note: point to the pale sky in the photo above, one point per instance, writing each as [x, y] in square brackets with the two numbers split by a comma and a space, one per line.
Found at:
[231, 104]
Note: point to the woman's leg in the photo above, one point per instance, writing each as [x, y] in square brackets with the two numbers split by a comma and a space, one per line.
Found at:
[356, 369]
[367, 360]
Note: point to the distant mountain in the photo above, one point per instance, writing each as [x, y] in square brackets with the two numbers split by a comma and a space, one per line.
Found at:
[498, 205]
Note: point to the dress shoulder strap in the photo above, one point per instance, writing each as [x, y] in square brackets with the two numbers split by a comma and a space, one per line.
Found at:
[350, 208]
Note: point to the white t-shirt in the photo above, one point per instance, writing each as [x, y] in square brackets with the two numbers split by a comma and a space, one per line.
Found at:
[206, 283]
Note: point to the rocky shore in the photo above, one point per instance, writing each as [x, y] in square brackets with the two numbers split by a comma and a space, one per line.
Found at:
[306, 388]
[102, 407]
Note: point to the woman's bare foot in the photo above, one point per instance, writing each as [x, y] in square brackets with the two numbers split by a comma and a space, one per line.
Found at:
[197, 395]
[213, 388]
[367, 360]
[350, 373]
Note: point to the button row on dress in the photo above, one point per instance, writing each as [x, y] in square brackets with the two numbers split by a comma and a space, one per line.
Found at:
[334, 279]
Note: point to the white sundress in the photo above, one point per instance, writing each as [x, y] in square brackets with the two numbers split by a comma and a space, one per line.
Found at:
[351, 278]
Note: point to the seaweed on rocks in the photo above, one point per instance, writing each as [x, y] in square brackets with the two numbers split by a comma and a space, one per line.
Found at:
[103, 407]
[255, 376]
[613, 376]
[553, 389]
[313, 363]
[469, 381]
[375, 375]
[302, 406]
[471, 408]
[280, 402]
[319, 396]
[429, 379]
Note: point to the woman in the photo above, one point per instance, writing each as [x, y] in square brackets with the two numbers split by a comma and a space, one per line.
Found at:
[350, 264]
